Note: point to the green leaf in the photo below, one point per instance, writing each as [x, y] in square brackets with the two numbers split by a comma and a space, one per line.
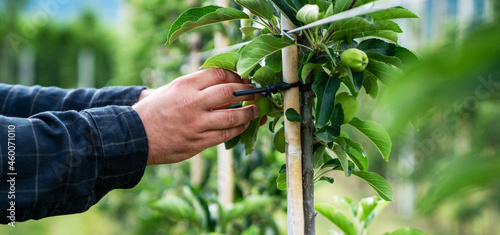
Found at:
[367, 207]
[376, 134]
[199, 206]
[201, 16]
[324, 5]
[328, 133]
[338, 116]
[381, 25]
[393, 60]
[377, 182]
[318, 156]
[249, 136]
[370, 84]
[341, 5]
[255, 203]
[385, 34]
[356, 153]
[406, 231]
[264, 76]
[261, 8]
[350, 24]
[357, 78]
[226, 60]
[393, 13]
[287, 11]
[232, 142]
[249, 205]
[378, 46]
[281, 181]
[307, 69]
[296, 4]
[414, 123]
[176, 207]
[336, 217]
[342, 156]
[248, 30]
[345, 203]
[325, 88]
[293, 116]
[327, 179]
[331, 163]
[388, 49]
[274, 61]
[258, 49]
[273, 123]
[350, 85]
[382, 70]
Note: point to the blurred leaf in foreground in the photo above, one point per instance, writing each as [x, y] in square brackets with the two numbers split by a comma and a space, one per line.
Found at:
[466, 72]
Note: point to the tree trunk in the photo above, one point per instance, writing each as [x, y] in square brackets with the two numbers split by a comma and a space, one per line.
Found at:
[295, 212]
[307, 160]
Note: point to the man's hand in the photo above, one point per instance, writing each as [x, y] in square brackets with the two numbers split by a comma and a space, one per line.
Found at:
[189, 115]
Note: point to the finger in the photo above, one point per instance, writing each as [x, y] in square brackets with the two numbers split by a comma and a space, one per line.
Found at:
[215, 137]
[228, 118]
[263, 121]
[222, 94]
[224, 106]
[207, 78]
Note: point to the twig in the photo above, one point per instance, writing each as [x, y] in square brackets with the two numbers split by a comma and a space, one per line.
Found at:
[352, 4]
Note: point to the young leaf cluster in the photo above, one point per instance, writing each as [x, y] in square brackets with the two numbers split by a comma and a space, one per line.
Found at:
[354, 218]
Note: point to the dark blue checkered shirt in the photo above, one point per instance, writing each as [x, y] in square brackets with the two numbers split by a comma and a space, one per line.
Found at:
[67, 148]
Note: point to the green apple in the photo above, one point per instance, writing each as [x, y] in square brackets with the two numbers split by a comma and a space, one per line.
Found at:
[349, 105]
[263, 103]
[355, 58]
[308, 14]
[279, 140]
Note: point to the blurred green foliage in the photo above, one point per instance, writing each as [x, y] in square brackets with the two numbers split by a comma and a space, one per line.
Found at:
[56, 47]
[142, 57]
[453, 96]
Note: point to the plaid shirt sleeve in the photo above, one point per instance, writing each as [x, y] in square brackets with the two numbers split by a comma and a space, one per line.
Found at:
[63, 162]
[23, 101]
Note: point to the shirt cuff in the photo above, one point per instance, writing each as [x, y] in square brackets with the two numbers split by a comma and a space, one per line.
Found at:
[124, 147]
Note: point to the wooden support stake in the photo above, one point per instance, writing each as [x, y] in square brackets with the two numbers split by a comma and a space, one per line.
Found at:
[295, 212]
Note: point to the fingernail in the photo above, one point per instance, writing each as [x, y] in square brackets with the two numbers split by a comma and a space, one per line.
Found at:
[246, 125]
[255, 111]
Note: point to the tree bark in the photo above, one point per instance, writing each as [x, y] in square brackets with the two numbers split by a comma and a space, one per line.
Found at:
[307, 160]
